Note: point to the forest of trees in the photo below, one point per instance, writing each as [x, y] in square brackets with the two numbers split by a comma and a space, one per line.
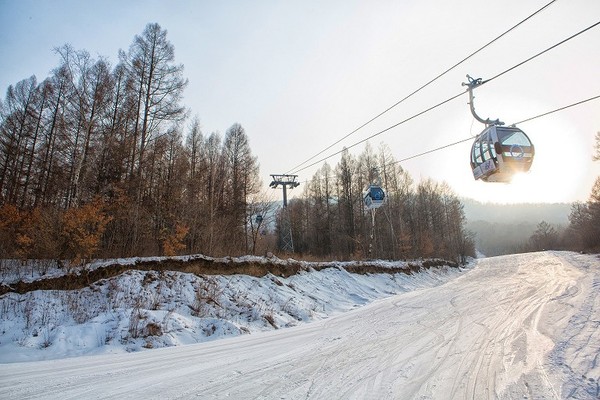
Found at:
[93, 162]
[583, 231]
[103, 161]
[423, 220]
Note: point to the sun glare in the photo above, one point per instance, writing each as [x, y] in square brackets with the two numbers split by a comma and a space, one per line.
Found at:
[560, 171]
[520, 179]
[550, 180]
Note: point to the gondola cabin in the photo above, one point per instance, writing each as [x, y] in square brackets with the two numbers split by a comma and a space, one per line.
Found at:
[373, 197]
[499, 152]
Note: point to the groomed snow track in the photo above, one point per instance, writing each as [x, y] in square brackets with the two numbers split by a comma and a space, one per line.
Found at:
[514, 327]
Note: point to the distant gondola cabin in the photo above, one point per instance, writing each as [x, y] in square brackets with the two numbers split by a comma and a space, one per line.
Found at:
[500, 152]
[373, 198]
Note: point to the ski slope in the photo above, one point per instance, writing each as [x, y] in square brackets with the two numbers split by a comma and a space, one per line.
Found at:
[514, 327]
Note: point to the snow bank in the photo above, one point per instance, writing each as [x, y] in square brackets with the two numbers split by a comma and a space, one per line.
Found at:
[140, 310]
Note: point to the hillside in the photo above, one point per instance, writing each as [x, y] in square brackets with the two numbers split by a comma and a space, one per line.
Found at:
[506, 228]
[553, 213]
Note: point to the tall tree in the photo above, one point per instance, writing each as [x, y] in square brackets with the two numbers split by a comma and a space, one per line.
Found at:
[50, 183]
[347, 203]
[214, 187]
[89, 87]
[159, 85]
[45, 90]
[194, 183]
[243, 181]
[18, 124]
[116, 134]
[584, 229]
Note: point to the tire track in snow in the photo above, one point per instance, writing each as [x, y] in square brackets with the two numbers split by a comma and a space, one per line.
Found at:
[580, 372]
[495, 337]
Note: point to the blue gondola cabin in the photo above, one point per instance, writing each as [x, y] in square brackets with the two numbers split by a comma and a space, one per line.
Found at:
[374, 197]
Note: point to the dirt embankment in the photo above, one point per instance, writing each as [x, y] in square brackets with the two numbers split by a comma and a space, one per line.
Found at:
[203, 266]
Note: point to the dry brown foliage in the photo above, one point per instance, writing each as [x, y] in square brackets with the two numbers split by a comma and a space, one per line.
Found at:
[82, 229]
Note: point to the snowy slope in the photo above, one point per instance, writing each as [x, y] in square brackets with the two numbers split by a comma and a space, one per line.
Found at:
[513, 327]
[139, 310]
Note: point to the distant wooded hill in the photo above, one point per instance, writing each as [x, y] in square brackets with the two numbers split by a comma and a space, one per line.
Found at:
[506, 228]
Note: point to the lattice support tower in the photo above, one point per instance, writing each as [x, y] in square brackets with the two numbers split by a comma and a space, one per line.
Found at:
[285, 233]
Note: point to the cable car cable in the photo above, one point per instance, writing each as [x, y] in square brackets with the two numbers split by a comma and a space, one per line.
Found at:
[383, 131]
[422, 86]
[558, 109]
[431, 151]
[471, 138]
[541, 52]
[451, 98]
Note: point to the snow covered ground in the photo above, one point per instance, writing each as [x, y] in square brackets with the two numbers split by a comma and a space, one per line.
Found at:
[138, 310]
[513, 327]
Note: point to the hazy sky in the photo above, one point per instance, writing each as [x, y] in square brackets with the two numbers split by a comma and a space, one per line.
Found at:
[299, 75]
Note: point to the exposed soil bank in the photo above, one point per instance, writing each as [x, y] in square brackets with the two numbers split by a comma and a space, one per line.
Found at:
[201, 265]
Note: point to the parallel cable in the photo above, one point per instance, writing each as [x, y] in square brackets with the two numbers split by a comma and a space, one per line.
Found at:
[431, 151]
[383, 131]
[471, 138]
[556, 110]
[456, 96]
[420, 88]
[516, 123]
[542, 52]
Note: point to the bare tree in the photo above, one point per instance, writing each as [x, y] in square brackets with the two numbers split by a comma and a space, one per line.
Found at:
[18, 124]
[214, 189]
[89, 88]
[159, 85]
[242, 182]
[116, 133]
[194, 183]
[347, 204]
[50, 180]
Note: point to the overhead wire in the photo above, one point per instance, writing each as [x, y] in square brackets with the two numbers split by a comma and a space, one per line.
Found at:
[383, 131]
[295, 169]
[556, 110]
[471, 137]
[452, 98]
[542, 52]
[515, 123]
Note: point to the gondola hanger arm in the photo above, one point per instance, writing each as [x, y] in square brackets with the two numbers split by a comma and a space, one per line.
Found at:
[472, 84]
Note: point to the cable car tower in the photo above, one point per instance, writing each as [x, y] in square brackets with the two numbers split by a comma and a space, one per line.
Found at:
[499, 152]
[285, 229]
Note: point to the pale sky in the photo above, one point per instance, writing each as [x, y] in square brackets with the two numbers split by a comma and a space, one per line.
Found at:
[300, 75]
